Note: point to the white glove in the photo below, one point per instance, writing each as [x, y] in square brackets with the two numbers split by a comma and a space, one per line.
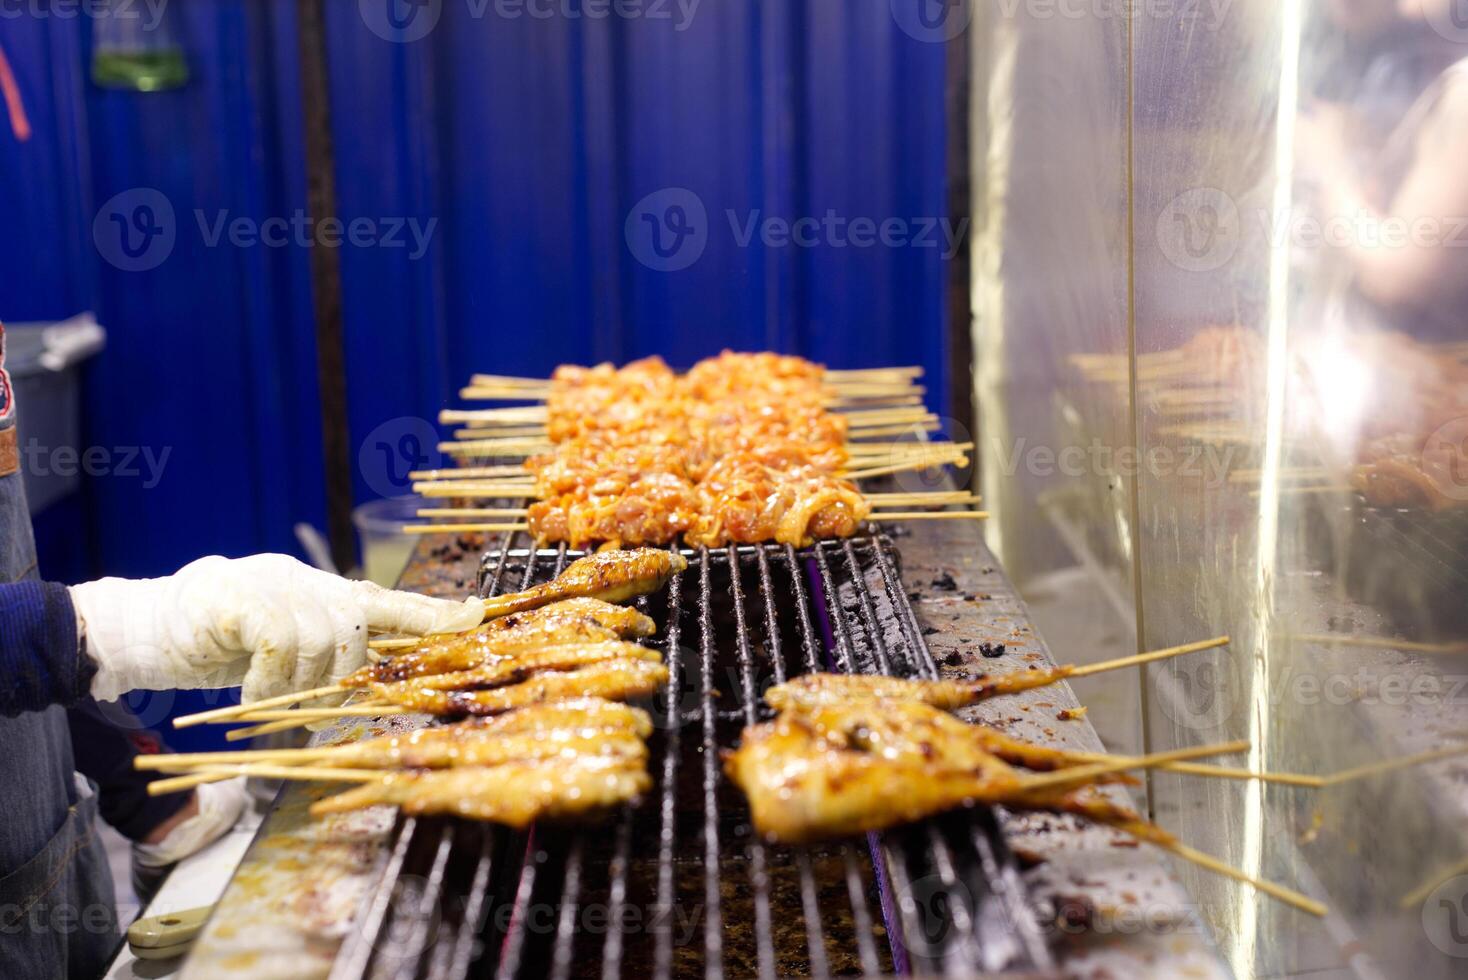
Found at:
[220, 806]
[268, 622]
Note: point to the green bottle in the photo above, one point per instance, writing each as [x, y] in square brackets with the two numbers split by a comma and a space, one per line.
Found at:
[136, 47]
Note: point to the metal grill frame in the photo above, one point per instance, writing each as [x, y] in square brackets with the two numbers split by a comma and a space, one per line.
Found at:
[998, 931]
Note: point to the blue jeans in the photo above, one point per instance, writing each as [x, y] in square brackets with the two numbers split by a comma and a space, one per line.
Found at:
[57, 912]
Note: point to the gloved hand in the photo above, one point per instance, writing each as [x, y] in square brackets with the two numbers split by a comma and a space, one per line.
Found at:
[269, 622]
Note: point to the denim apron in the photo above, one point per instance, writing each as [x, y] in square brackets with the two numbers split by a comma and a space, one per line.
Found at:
[57, 912]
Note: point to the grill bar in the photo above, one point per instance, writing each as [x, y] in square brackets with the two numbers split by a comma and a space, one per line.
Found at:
[760, 879]
[667, 810]
[843, 607]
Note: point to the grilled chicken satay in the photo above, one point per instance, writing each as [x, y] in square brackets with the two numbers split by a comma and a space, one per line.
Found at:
[612, 576]
[916, 732]
[571, 714]
[805, 785]
[467, 744]
[815, 690]
[807, 781]
[570, 621]
[496, 673]
[515, 793]
[626, 622]
[619, 679]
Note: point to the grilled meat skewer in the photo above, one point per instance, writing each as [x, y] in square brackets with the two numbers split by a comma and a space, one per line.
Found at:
[806, 781]
[515, 794]
[496, 673]
[483, 665]
[817, 690]
[611, 576]
[622, 678]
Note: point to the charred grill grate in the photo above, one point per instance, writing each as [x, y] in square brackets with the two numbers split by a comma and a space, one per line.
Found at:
[680, 886]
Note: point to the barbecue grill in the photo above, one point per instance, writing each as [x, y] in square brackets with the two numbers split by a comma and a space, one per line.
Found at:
[680, 886]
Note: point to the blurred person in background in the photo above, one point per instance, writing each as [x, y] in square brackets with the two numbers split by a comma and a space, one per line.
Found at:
[1391, 168]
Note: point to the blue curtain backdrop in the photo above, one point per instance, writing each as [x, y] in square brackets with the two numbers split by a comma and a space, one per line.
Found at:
[530, 151]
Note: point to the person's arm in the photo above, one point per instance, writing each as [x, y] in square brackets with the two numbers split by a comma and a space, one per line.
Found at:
[41, 661]
[1415, 252]
[267, 623]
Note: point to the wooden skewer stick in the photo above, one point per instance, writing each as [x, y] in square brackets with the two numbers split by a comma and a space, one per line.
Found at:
[1392, 765]
[513, 416]
[910, 501]
[924, 496]
[1287, 895]
[191, 760]
[312, 774]
[468, 472]
[927, 425]
[1147, 658]
[235, 710]
[490, 491]
[268, 728]
[508, 380]
[463, 528]
[1421, 893]
[930, 515]
[319, 714]
[1384, 642]
[1082, 775]
[856, 375]
[922, 463]
[525, 432]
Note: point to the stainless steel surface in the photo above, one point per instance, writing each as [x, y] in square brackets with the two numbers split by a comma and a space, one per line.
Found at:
[695, 893]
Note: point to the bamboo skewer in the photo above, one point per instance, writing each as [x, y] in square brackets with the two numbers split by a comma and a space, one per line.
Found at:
[1392, 765]
[1422, 892]
[468, 472]
[1150, 657]
[916, 515]
[268, 728]
[304, 773]
[1287, 895]
[517, 445]
[917, 463]
[234, 710]
[1081, 775]
[1384, 642]
[464, 528]
[961, 498]
[930, 515]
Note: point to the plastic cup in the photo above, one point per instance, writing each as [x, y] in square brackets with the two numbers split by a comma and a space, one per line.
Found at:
[385, 548]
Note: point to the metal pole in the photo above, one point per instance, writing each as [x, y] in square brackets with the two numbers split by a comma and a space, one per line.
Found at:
[326, 282]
